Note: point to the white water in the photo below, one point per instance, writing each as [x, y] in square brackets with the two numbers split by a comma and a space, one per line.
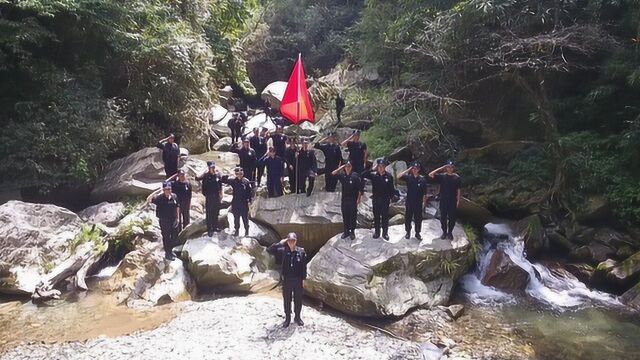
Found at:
[547, 288]
[107, 272]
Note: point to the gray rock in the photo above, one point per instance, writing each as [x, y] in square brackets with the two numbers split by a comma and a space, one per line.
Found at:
[224, 144]
[455, 311]
[378, 278]
[632, 297]
[144, 277]
[105, 213]
[315, 218]
[228, 263]
[34, 241]
[273, 93]
[138, 174]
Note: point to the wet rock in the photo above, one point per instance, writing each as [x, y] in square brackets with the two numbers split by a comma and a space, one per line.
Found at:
[632, 297]
[596, 208]
[104, 213]
[584, 272]
[224, 144]
[34, 241]
[559, 242]
[474, 214]
[593, 253]
[455, 311]
[228, 263]
[627, 272]
[315, 218]
[145, 277]
[374, 277]
[533, 234]
[503, 273]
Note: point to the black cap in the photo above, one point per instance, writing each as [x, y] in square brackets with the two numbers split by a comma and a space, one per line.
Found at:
[331, 133]
[348, 163]
[450, 163]
[245, 139]
[356, 132]
[305, 140]
[172, 135]
[166, 185]
[211, 164]
[381, 161]
[182, 172]
[238, 169]
[416, 165]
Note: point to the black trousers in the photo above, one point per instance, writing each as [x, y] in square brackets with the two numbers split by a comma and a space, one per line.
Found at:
[235, 135]
[292, 289]
[302, 185]
[413, 212]
[349, 215]
[240, 213]
[170, 169]
[448, 215]
[260, 172]
[381, 214]
[292, 179]
[274, 186]
[250, 173]
[331, 181]
[212, 211]
[185, 216]
[169, 232]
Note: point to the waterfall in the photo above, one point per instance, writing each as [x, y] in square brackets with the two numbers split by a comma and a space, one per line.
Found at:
[544, 286]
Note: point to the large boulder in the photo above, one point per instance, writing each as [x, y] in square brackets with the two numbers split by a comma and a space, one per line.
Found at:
[315, 218]
[632, 297]
[228, 263]
[37, 246]
[105, 213]
[144, 277]
[224, 144]
[225, 161]
[262, 234]
[378, 278]
[627, 272]
[259, 121]
[274, 93]
[138, 174]
[503, 273]
[532, 232]
[474, 213]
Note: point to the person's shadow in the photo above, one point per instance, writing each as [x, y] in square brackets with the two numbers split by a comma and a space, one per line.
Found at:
[275, 332]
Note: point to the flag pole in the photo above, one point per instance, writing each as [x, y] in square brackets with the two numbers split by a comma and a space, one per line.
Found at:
[298, 119]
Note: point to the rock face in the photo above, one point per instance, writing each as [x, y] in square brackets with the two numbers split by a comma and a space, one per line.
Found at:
[627, 272]
[34, 240]
[632, 297]
[315, 218]
[137, 174]
[503, 273]
[104, 213]
[228, 263]
[235, 328]
[376, 278]
[533, 234]
[144, 277]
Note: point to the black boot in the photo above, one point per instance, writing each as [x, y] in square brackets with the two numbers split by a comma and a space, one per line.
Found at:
[407, 235]
[444, 235]
[210, 233]
[236, 233]
[352, 235]
[450, 236]
[376, 234]
[286, 322]
[385, 235]
[418, 236]
[299, 321]
[246, 232]
[345, 235]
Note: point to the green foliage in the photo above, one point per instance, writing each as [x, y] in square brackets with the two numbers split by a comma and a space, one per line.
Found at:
[85, 81]
[123, 241]
[605, 165]
[47, 263]
[448, 266]
[88, 234]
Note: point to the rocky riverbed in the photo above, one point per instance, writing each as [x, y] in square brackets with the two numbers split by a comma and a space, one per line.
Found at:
[234, 328]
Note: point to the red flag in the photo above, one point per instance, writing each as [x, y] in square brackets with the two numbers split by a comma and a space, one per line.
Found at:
[296, 104]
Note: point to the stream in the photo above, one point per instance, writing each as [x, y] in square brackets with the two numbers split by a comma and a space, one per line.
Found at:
[554, 318]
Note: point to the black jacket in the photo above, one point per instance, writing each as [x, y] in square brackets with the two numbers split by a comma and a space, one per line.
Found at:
[293, 263]
[211, 185]
[332, 155]
[248, 158]
[382, 185]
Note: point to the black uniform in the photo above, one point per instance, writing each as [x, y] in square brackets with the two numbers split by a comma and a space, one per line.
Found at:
[170, 156]
[275, 171]
[356, 155]
[183, 191]
[352, 186]
[293, 271]
[166, 213]
[339, 107]
[211, 188]
[235, 124]
[307, 166]
[290, 160]
[259, 144]
[449, 186]
[333, 159]
[248, 162]
[416, 190]
[240, 202]
[382, 191]
[279, 143]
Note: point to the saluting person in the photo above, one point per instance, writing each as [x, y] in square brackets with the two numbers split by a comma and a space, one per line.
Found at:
[352, 189]
[358, 153]
[170, 154]
[275, 172]
[450, 194]
[259, 144]
[290, 157]
[168, 212]
[242, 192]
[248, 159]
[307, 168]
[416, 199]
[279, 141]
[383, 190]
[293, 271]
[212, 191]
[333, 159]
[182, 188]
